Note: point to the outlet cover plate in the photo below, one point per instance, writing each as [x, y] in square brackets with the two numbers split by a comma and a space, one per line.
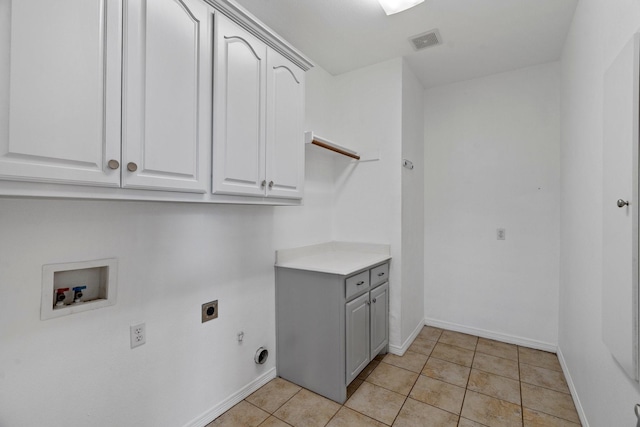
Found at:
[138, 334]
[209, 311]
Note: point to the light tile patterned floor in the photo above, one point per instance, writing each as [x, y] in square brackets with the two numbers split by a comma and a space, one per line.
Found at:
[445, 379]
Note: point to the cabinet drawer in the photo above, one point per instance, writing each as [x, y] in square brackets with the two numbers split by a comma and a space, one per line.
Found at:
[379, 274]
[357, 283]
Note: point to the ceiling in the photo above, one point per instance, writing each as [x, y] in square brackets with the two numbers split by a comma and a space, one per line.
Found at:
[480, 37]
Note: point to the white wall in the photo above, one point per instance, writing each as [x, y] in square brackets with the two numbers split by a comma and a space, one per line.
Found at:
[599, 31]
[492, 161]
[79, 370]
[412, 227]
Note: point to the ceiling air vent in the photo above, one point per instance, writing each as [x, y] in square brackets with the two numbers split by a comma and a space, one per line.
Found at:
[425, 40]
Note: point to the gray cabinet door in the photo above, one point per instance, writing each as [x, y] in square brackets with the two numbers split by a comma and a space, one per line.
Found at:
[357, 322]
[379, 316]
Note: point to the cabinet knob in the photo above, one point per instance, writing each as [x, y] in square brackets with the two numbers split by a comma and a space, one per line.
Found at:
[622, 203]
[360, 283]
[368, 302]
[380, 274]
[263, 184]
[132, 167]
[373, 300]
[270, 184]
[113, 164]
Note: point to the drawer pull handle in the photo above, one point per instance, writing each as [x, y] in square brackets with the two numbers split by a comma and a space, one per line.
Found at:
[380, 274]
[374, 300]
[360, 283]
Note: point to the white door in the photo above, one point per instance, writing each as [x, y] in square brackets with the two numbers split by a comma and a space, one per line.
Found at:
[60, 64]
[357, 319]
[285, 133]
[239, 109]
[167, 95]
[620, 228]
[379, 319]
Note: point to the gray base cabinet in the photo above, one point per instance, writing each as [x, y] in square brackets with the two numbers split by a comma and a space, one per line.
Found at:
[329, 327]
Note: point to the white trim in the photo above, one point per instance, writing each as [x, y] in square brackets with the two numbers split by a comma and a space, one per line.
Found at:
[511, 339]
[572, 389]
[400, 350]
[231, 401]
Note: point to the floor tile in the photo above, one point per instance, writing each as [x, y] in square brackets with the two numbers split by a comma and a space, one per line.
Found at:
[376, 402]
[351, 388]
[393, 378]
[307, 409]
[458, 339]
[274, 422]
[543, 377]
[244, 414]
[491, 411]
[273, 395]
[349, 418]
[438, 393]
[539, 358]
[416, 413]
[410, 361]
[550, 402]
[468, 423]
[496, 365]
[458, 355]
[502, 388]
[430, 333]
[422, 345]
[498, 349]
[447, 372]
[368, 369]
[538, 419]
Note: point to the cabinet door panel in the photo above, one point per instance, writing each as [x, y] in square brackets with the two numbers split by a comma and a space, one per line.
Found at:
[60, 90]
[379, 319]
[166, 94]
[357, 323]
[239, 107]
[285, 138]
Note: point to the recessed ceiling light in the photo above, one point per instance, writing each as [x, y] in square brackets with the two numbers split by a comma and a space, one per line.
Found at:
[394, 6]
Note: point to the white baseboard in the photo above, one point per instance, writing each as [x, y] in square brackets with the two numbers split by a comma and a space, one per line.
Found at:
[572, 389]
[400, 350]
[511, 339]
[232, 400]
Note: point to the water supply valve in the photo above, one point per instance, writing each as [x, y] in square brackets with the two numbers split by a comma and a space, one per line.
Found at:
[60, 296]
[77, 294]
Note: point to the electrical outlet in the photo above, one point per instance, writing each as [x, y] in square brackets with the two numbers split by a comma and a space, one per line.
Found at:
[138, 334]
[501, 234]
[209, 311]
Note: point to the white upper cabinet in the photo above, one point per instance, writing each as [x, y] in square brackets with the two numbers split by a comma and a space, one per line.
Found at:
[239, 111]
[60, 65]
[166, 95]
[285, 133]
[194, 99]
[258, 145]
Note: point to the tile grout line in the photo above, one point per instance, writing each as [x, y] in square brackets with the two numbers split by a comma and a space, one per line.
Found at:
[466, 387]
[520, 385]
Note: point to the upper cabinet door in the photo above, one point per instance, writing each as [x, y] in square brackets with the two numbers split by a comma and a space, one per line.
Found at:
[239, 111]
[285, 133]
[60, 90]
[166, 95]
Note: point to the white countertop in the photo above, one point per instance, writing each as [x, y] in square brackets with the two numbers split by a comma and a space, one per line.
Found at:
[341, 258]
